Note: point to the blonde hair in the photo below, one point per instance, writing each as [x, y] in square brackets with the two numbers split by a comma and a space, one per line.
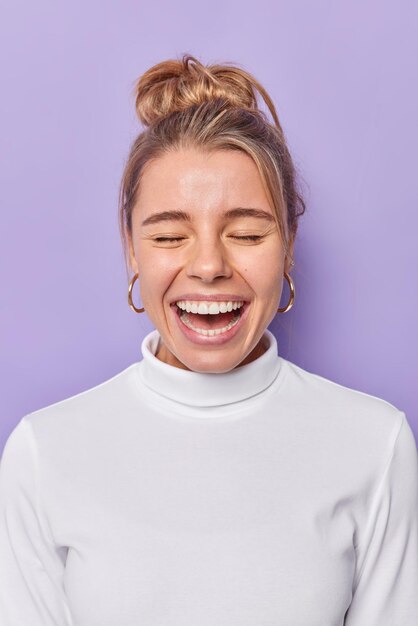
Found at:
[183, 103]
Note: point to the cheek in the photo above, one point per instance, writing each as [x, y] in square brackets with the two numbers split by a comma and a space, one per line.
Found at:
[262, 272]
[156, 271]
[265, 284]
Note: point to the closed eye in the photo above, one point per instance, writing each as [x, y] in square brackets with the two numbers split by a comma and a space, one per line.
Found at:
[168, 238]
[249, 237]
[245, 237]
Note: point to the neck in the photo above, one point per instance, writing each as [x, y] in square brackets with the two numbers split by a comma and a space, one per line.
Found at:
[209, 389]
[166, 356]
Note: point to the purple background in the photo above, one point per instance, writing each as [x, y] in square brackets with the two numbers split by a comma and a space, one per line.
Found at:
[343, 77]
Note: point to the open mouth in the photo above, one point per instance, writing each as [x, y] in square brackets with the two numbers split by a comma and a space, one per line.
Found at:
[210, 324]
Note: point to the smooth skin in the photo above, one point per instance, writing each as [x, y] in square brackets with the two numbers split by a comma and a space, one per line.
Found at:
[208, 257]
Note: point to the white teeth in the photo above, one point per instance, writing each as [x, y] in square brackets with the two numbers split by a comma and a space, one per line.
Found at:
[209, 331]
[203, 309]
[208, 307]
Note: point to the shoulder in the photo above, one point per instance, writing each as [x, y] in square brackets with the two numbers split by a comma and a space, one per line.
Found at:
[82, 413]
[355, 436]
[354, 415]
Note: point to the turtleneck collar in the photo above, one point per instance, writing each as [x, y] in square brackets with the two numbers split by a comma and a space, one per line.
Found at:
[208, 389]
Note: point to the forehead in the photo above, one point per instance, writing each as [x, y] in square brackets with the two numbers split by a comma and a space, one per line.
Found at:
[195, 180]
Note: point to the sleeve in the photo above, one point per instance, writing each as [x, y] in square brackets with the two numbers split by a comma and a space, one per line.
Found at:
[385, 587]
[31, 565]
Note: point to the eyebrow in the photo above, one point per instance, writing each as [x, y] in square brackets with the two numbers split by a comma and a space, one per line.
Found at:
[186, 217]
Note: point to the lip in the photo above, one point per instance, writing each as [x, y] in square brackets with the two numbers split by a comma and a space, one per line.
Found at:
[219, 297]
[207, 340]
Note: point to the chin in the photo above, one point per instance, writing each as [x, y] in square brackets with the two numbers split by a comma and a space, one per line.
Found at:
[212, 362]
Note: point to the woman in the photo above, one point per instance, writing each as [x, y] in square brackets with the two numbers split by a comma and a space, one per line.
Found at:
[213, 482]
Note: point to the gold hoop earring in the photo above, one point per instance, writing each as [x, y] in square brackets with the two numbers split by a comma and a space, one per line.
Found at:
[130, 302]
[292, 295]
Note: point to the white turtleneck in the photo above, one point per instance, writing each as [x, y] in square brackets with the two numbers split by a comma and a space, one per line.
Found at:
[262, 496]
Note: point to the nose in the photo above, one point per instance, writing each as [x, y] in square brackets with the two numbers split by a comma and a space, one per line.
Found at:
[208, 260]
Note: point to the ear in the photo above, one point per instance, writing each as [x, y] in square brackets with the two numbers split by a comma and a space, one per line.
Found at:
[289, 258]
[131, 253]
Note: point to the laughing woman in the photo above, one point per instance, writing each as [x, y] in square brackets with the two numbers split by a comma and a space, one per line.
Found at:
[212, 482]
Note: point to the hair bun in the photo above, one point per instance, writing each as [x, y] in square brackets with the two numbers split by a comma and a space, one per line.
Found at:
[174, 85]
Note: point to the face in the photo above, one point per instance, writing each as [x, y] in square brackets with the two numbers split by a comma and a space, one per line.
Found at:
[208, 252]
